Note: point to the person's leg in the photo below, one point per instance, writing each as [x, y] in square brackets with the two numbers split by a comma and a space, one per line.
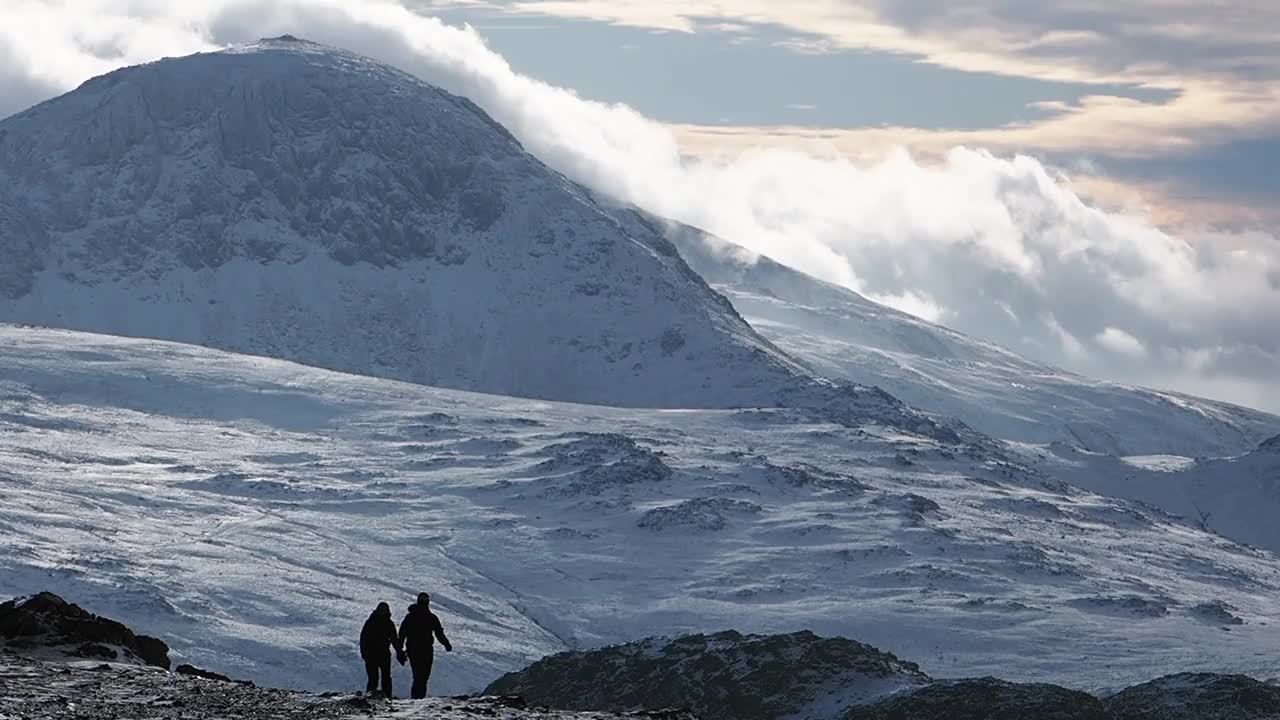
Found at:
[385, 669]
[371, 670]
[426, 671]
[421, 664]
[419, 690]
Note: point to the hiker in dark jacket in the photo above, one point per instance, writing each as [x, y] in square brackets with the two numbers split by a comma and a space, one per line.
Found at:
[376, 640]
[418, 632]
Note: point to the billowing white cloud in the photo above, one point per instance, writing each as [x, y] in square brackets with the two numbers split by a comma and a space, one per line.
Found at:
[997, 247]
[1119, 341]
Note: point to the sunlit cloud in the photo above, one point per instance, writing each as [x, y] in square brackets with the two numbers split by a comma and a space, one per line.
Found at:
[1220, 62]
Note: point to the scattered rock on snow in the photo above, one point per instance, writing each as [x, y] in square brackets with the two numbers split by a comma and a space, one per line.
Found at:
[1129, 605]
[1217, 613]
[698, 514]
[599, 461]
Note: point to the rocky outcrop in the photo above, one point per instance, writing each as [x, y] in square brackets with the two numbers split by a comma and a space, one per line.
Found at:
[47, 622]
[1196, 696]
[723, 676]
[984, 699]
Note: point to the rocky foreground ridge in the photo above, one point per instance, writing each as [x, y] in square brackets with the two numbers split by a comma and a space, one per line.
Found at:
[728, 676]
[46, 672]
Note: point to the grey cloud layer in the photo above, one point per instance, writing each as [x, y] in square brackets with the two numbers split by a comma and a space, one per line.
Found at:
[999, 248]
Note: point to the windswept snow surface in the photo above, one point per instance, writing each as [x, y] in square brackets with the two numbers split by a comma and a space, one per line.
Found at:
[251, 512]
[842, 334]
[1238, 497]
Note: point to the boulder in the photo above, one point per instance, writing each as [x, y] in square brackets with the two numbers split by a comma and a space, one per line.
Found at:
[47, 621]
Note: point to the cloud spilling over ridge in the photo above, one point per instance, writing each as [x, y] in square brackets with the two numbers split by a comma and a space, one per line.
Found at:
[996, 247]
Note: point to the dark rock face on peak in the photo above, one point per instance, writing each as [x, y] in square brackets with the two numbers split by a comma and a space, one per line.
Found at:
[46, 621]
[1197, 696]
[984, 699]
[296, 201]
[726, 676]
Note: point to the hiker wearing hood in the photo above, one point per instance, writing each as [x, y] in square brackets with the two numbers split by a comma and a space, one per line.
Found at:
[418, 633]
[376, 640]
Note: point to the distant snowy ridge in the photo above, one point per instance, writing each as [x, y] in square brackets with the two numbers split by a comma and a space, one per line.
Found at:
[297, 201]
[842, 334]
[1238, 496]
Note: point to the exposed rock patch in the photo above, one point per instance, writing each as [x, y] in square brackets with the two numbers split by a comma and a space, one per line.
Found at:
[697, 514]
[1217, 613]
[984, 699]
[1197, 696]
[46, 621]
[725, 676]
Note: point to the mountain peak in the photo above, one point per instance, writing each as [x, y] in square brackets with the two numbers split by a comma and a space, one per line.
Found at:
[292, 200]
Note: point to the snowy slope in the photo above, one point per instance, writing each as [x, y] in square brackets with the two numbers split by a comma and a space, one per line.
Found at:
[1238, 497]
[297, 201]
[252, 511]
[843, 334]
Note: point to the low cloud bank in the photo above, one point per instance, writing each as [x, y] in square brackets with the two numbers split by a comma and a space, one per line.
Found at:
[996, 247]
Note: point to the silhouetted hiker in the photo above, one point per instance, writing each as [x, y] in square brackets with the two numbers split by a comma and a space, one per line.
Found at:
[376, 640]
[418, 632]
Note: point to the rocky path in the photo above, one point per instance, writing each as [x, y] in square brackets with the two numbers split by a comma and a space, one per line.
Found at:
[33, 689]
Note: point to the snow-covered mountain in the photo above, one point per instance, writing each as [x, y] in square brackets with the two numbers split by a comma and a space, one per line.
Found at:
[252, 511]
[842, 334]
[293, 200]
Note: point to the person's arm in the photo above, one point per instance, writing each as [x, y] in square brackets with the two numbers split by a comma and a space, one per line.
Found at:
[399, 640]
[439, 630]
[393, 637]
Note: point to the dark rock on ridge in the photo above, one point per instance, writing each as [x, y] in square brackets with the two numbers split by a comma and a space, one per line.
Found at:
[984, 699]
[1196, 696]
[723, 676]
[208, 675]
[48, 621]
